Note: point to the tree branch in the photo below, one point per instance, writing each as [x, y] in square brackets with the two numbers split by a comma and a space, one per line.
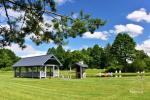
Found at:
[6, 13]
[23, 20]
[45, 11]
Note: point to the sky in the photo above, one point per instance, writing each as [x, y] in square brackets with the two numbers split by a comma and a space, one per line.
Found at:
[132, 16]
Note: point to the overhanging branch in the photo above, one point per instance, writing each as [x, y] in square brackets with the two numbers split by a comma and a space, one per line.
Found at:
[45, 11]
[6, 13]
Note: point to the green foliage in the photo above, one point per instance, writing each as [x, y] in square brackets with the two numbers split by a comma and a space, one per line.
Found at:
[137, 65]
[97, 57]
[140, 54]
[90, 56]
[107, 58]
[123, 49]
[7, 59]
[147, 61]
[33, 22]
[96, 53]
[59, 52]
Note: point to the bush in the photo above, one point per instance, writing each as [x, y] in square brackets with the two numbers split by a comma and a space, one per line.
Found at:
[114, 68]
[147, 61]
[7, 69]
[137, 65]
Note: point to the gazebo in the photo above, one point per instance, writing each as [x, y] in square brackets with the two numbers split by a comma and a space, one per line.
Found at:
[37, 66]
[80, 69]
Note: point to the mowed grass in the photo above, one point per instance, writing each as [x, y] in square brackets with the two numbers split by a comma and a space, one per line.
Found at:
[91, 88]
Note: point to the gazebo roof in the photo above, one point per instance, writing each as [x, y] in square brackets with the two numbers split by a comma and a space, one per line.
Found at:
[38, 61]
[81, 65]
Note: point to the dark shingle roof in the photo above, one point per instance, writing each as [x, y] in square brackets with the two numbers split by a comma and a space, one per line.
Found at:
[81, 65]
[36, 61]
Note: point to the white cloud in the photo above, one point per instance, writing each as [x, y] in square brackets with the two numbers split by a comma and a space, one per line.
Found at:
[144, 46]
[63, 1]
[5, 25]
[11, 13]
[27, 52]
[96, 35]
[75, 15]
[139, 15]
[132, 29]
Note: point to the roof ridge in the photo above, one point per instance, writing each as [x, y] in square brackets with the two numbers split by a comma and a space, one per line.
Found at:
[35, 61]
[37, 56]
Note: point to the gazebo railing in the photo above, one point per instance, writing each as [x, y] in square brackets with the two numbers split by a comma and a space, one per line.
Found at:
[28, 74]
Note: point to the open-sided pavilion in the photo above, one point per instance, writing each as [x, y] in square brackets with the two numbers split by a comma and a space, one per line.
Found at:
[37, 66]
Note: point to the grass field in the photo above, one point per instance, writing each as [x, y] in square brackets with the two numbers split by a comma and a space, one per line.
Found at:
[91, 88]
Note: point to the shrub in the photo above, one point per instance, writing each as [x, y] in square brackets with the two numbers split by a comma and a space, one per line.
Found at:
[147, 61]
[137, 65]
[114, 68]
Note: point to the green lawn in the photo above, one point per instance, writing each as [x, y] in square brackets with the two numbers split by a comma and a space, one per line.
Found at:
[94, 88]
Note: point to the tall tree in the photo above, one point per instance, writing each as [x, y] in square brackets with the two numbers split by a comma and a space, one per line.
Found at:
[140, 54]
[123, 49]
[59, 52]
[7, 58]
[106, 58]
[51, 51]
[96, 53]
[40, 20]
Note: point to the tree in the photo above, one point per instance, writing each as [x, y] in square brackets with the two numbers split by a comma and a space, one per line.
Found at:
[31, 21]
[147, 61]
[76, 56]
[123, 49]
[107, 57]
[137, 65]
[59, 52]
[7, 58]
[51, 51]
[96, 53]
[67, 60]
[140, 54]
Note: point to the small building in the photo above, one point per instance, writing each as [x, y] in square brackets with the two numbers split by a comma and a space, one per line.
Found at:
[37, 67]
[80, 69]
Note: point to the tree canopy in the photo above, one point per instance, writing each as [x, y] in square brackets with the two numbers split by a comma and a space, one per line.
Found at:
[123, 48]
[120, 55]
[39, 20]
[7, 58]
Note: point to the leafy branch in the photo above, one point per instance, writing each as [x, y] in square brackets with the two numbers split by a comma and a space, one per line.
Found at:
[57, 29]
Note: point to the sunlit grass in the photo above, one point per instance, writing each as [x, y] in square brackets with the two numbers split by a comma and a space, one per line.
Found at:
[91, 88]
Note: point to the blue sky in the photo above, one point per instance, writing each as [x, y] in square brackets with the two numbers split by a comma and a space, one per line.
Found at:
[132, 16]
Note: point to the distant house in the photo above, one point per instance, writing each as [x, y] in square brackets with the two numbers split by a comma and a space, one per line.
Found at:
[38, 66]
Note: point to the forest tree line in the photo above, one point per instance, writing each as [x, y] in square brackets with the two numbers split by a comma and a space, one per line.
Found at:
[120, 55]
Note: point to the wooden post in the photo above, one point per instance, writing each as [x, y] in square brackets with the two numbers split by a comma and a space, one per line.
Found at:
[32, 72]
[15, 72]
[37, 69]
[19, 71]
[50, 71]
[70, 72]
[81, 72]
